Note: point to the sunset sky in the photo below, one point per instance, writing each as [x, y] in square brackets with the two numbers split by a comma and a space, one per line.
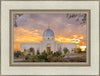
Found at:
[30, 28]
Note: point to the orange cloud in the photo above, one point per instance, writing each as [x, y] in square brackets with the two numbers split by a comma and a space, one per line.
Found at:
[68, 40]
[23, 35]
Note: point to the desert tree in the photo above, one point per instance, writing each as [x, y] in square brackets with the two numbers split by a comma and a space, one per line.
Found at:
[15, 17]
[81, 18]
[32, 50]
[66, 50]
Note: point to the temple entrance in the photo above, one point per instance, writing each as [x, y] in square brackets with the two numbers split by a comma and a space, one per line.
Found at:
[48, 49]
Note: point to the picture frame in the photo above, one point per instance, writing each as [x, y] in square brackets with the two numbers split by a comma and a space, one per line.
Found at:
[91, 40]
[53, 63]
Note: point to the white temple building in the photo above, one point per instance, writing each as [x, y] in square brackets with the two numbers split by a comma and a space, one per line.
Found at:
[48, 44]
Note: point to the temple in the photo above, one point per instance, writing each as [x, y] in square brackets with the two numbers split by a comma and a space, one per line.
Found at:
[48, 44]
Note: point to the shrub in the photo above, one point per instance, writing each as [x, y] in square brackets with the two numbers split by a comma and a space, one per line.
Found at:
[57, 54]
[66, 50]
[32, 50]
[44, 57]
[27, 57]
[53, 57]
[79, 50]
[18, 54]
[38, 52]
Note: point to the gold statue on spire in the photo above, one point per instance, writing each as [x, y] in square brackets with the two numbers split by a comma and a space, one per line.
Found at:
[48, 24]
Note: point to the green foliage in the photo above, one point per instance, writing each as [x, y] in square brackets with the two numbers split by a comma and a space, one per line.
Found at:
[38, 52]
[46, 57]
[57, 54]
[43, 56]
[29, 58]
[79, 50]
[18, 54]
[66, 50]
[50, 52]
[53, 57]
[31, 49]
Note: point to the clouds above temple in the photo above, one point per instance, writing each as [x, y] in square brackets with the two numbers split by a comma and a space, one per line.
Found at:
[31, 27]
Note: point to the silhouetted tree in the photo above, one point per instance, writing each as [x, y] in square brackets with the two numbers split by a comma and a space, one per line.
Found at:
[65, 50]
[81, 18]
[16, 16]
[79, 50]
[32, 50]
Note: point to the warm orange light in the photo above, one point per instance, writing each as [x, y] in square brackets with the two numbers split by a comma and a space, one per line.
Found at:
[81, 37]
[23, 35]
[67, 40]
[83, 48]
[78, 46]
[75, 36]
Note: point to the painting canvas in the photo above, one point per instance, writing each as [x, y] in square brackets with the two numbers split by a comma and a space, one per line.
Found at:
[50, 37]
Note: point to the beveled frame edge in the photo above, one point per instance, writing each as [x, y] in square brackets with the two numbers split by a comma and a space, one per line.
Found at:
[0, 37]
[52, 75]
[49, 0]
[88, 33]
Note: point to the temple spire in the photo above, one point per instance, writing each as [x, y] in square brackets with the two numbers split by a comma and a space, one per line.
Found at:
[48, 25]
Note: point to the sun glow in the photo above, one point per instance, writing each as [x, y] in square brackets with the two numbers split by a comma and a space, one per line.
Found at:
[83, 48]
[23, 35]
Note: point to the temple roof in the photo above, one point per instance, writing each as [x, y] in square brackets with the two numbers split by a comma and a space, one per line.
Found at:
[48, 32]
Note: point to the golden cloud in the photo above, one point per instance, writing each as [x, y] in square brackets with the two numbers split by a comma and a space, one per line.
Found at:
[24, 35]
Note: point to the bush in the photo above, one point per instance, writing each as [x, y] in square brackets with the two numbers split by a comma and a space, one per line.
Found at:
[46, 57]
[66, 50]
[57, 54]
[18, 54]
[38, 52]
[53, 57]
[29, 58]
[32, 50]
[79, 50]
